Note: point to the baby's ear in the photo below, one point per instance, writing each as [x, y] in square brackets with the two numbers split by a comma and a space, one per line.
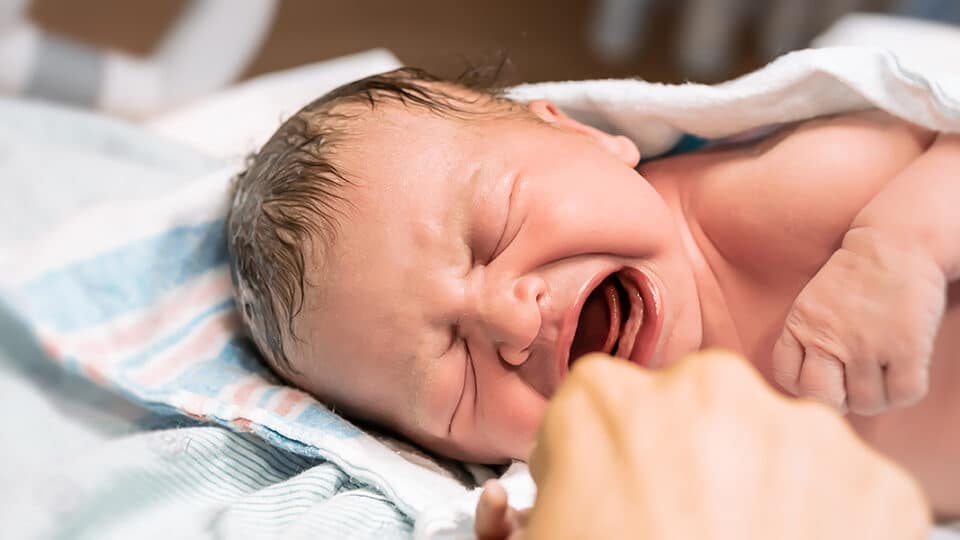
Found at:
[618, 145]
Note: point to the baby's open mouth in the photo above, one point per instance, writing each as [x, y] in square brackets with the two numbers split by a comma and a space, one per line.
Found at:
[610, 319]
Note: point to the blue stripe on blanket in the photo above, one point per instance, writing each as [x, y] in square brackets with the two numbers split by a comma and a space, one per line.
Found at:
[151, 350]
[126, 279]
[235, 361]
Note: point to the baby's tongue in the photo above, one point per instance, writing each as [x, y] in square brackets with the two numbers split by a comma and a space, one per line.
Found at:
[599, 323]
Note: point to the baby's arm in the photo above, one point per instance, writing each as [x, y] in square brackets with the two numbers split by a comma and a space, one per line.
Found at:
[920, 205]
[861, 333]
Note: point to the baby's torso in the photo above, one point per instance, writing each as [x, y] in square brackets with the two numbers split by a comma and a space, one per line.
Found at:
[776, 210]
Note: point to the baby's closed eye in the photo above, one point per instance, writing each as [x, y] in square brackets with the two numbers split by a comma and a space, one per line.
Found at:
[459, 350]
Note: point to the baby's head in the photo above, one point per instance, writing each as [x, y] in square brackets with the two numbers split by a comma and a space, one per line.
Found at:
[430, 257]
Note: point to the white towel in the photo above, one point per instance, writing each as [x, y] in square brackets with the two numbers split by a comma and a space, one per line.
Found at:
[798, 86]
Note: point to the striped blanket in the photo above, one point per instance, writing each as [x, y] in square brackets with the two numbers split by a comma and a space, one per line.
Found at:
[136, 296]
[195, 482]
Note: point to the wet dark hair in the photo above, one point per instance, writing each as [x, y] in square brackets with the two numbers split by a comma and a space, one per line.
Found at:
[292, 192]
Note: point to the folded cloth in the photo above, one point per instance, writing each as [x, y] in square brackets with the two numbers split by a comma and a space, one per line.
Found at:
[137, 295]
[796, 86]
[916, 42]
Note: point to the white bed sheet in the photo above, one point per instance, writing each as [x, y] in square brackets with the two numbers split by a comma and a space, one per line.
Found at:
[236, 121]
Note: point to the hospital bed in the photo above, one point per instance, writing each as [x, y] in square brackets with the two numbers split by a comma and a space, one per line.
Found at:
[84, 462]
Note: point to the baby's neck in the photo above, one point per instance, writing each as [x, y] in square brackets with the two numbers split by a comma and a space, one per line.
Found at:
[719, 329]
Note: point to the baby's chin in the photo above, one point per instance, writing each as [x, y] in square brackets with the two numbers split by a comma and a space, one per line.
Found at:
[473, 453]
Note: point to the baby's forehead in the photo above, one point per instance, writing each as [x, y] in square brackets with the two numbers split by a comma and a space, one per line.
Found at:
[448, 102]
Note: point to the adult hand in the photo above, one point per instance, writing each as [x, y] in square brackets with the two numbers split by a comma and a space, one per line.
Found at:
[704, 449]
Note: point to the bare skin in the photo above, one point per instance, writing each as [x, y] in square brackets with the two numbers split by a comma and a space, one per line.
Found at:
[484, 236]
[762, 279]
[696, 451]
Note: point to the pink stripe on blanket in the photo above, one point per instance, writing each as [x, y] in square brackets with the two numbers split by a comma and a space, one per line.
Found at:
[194, 406]
[245, 391]
[101, 347]
[51, 342]
[289, 402]
[203, 343]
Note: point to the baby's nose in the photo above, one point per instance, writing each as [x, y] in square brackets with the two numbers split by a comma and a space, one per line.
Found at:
[513, 355]
[514, 318]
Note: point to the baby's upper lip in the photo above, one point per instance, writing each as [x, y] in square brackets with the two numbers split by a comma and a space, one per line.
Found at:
[568, 324]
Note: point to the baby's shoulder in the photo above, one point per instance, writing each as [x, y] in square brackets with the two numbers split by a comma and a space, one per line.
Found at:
[799, 189]
[869, 140]
[832, 167]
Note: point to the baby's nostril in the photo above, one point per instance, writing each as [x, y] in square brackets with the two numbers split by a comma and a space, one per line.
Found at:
[513, 355]
[541, 295]
[531, 288]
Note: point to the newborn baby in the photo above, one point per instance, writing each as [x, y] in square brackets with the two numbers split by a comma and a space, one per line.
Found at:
[432, 257]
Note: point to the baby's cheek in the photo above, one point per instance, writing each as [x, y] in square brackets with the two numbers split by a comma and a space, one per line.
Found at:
[500, 421]
[515, 424]
[437, 398]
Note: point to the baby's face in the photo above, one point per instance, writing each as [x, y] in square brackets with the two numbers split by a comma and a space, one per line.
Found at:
[472, 258]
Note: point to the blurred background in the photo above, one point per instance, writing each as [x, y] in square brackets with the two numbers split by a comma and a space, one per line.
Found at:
[545, 39]
[659, 40]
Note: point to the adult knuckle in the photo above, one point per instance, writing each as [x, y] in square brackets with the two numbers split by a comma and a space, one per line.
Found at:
[604, 384]
[599, 369]
[723, 364]
[723, 379]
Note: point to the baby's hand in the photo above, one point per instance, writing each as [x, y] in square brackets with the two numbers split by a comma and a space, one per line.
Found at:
[495, 519]
[861, 333]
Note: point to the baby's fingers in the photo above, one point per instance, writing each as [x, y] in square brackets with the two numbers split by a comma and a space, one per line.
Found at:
[495, 520]
[807, 371]
[866, 392]
[906, 382]
[787, 359]
[491, 522]
[822, 378]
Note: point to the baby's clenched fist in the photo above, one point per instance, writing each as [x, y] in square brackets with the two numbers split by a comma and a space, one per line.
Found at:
[860, 335]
